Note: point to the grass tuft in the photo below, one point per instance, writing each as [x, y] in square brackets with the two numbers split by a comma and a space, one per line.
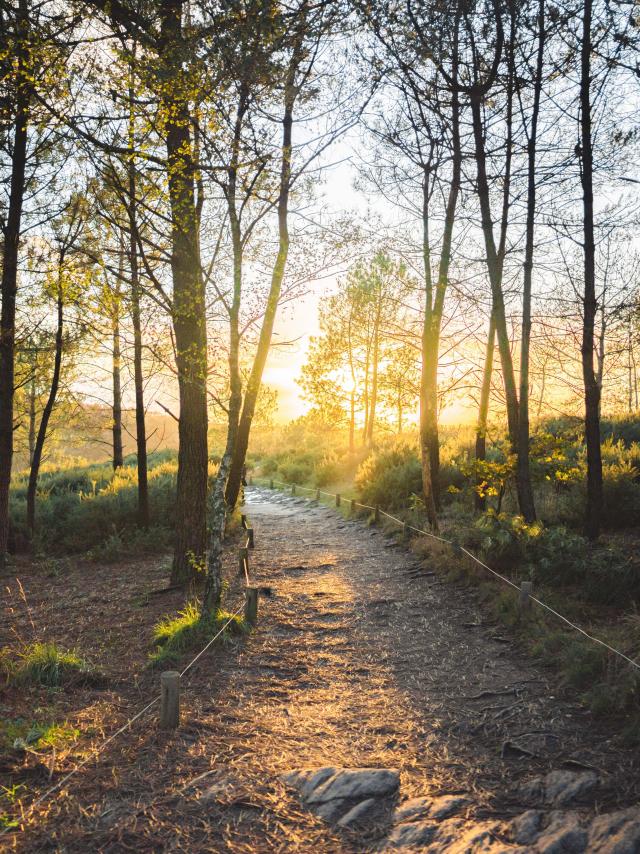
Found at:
[174, 635]
[49, 665]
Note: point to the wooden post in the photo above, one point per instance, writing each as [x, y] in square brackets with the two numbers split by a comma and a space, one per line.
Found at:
[250, 543]
[251, 605]
[338, 500]
[169, 699]
[317, 495]
[405, 530]
[243, 558]
[352, 511]
[525, 592]
[271, 484]
[293, 489]
[243, 520]
[377, 515]
[250, 480]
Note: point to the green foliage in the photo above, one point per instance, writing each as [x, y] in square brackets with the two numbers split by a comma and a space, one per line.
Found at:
[390, 477]
[49, 665]
[20, 733]
[188, 630]
[92, 508]
[295, 471]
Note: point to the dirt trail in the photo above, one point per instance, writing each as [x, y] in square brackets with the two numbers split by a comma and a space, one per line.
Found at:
[361, 657]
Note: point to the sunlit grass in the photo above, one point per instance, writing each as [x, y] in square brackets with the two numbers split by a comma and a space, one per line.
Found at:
[49, 665]
[174, 635]
[22, 734]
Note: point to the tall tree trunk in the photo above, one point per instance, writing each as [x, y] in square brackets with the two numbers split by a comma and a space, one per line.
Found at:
[188, 309]
[32, 412]
[494, 268]
[116, 364]
[264, 341]
[483, 409]
[46, 412]
[352, 422]
[593, 519]
[374, 373]
[213, 584]
[434, 309]
[138, 375]
[8, 288]
[523, 473]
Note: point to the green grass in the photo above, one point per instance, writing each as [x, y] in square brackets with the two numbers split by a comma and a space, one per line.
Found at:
[175, 635]
[20, 733]
[49, 665]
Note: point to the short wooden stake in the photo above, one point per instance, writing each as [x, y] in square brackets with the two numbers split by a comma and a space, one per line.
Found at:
[169, 699]
[250, 538]
[243, 560]
[338, 500]
[405, 530]
[353, 507]
[293, 489]
[251, 480]
[243, 520]
[271, 484]
[251, 605]
[317, 495]
[377, 515]
[525, 595]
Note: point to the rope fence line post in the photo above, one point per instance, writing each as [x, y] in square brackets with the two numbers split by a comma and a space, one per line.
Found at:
[271, 484]
[169, 699]
[293, 489]
[243, 560]
[338, 500]
[250, 538]
[352, 509]
[317, 495]
[405, 531]
[251, 606]
[524, 602]
[376, 514]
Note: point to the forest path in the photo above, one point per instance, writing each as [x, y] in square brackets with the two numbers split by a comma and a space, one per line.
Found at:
[362, 657]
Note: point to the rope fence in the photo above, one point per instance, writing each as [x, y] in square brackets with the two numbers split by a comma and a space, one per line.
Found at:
[524, 589]
[170, 684]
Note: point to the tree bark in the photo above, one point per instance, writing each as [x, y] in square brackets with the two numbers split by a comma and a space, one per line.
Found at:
[593, 518]
[188, 308]
[46, 412]
[116, 364]
[523, 472]
[213, 584]
[483, 409]
[264, 342]
[434, 308]
[8, 289]
[138, 375]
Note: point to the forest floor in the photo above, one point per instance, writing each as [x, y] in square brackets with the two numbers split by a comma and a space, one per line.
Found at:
[363, 656]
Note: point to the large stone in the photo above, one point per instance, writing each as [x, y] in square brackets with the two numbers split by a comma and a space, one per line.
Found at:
[347, 796]
[525, 828]
[355, 783]
[417, 809]
[361, 813]
[563, 835]
[560, 787]
[616, 832]
[413, 834]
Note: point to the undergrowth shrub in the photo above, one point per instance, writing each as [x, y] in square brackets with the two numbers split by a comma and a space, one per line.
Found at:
[390, 477]
[95, 509]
